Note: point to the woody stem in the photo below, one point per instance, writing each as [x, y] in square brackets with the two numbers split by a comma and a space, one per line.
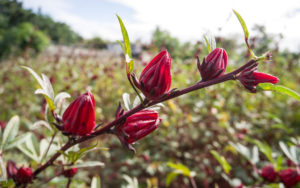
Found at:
[107, 127]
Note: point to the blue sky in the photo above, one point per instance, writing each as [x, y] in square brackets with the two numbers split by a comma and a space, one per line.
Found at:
[188, 20]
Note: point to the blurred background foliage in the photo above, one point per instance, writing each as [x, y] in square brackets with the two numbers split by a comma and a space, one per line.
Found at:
[192, 125]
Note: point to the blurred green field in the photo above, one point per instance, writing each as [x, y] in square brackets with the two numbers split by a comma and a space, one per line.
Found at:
[191, 126]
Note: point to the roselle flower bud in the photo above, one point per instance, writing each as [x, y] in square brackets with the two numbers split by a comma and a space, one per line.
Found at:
[70, 172]
[250, 78]
[2, 124]
[79, 117]
[11, 169]
[138, 126]
[24, 175]
[155, 79]
[214, 65]
[268, 173]
[289, 177]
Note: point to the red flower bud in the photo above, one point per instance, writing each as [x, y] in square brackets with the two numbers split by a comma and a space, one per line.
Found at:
[289, 177]
[79, 117]
[70, 172]
[214, 65]
[11, 169]
[268, 173]
[138, 126]
[24, 175]
[250, 78]
[2, 124]
[155, 79]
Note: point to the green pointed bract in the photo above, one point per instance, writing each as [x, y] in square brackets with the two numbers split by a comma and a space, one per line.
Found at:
[126, 47]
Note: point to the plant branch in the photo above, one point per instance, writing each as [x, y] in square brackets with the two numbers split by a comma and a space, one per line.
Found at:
[50, 143]
[69, 182]
[107, 127]
[193, 182]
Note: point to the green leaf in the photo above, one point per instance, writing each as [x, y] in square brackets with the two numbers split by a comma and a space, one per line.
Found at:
[210, 42]
[255, 155]
[131, 182]
[225, 165]
[17, 141]
[279, 88]
[207, 44]
[264, 148]
[82, 152]
[243, 150]
[246, 32]
[279, 163]
[28, 148]
[10, 131]
[43, 148]
[88, 164]
[126, 47]
[59, 98]
[289, 152]
[7, 184]
[2, 168]
[96, 182]
[126, 100]
[46, 87]
[243, 24]
[170, 177]
[122, 46]
[125, 37]
[180, 168]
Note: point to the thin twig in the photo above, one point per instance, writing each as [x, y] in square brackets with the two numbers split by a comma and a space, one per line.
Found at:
[192, 180]
[50, 143]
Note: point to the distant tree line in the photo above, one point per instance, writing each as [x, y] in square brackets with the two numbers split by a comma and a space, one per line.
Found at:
[23, 30]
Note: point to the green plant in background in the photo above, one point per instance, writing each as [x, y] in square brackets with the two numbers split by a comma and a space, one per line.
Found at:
[197, 135]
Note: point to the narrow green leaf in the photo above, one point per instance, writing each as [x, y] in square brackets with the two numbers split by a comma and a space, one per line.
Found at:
[279, 88]
[10, 131]
[255, 155]
[43, 148]
[79, 154]
[88, 164]
[63, 153]
[35, 75]
[28, 153]
[243, 150]
[17, 141]
[207, 44]
[287, 152]
[96, 182]
[126, 100]
[264, 148]
[126, 47]
[125, 37]
[2, 168]
[60, 97]
[45, 89]
[122, 46]
[243, 24]
[182, 169]
[245, 29]
[210, 42]
[225, 165]
[170, 177]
